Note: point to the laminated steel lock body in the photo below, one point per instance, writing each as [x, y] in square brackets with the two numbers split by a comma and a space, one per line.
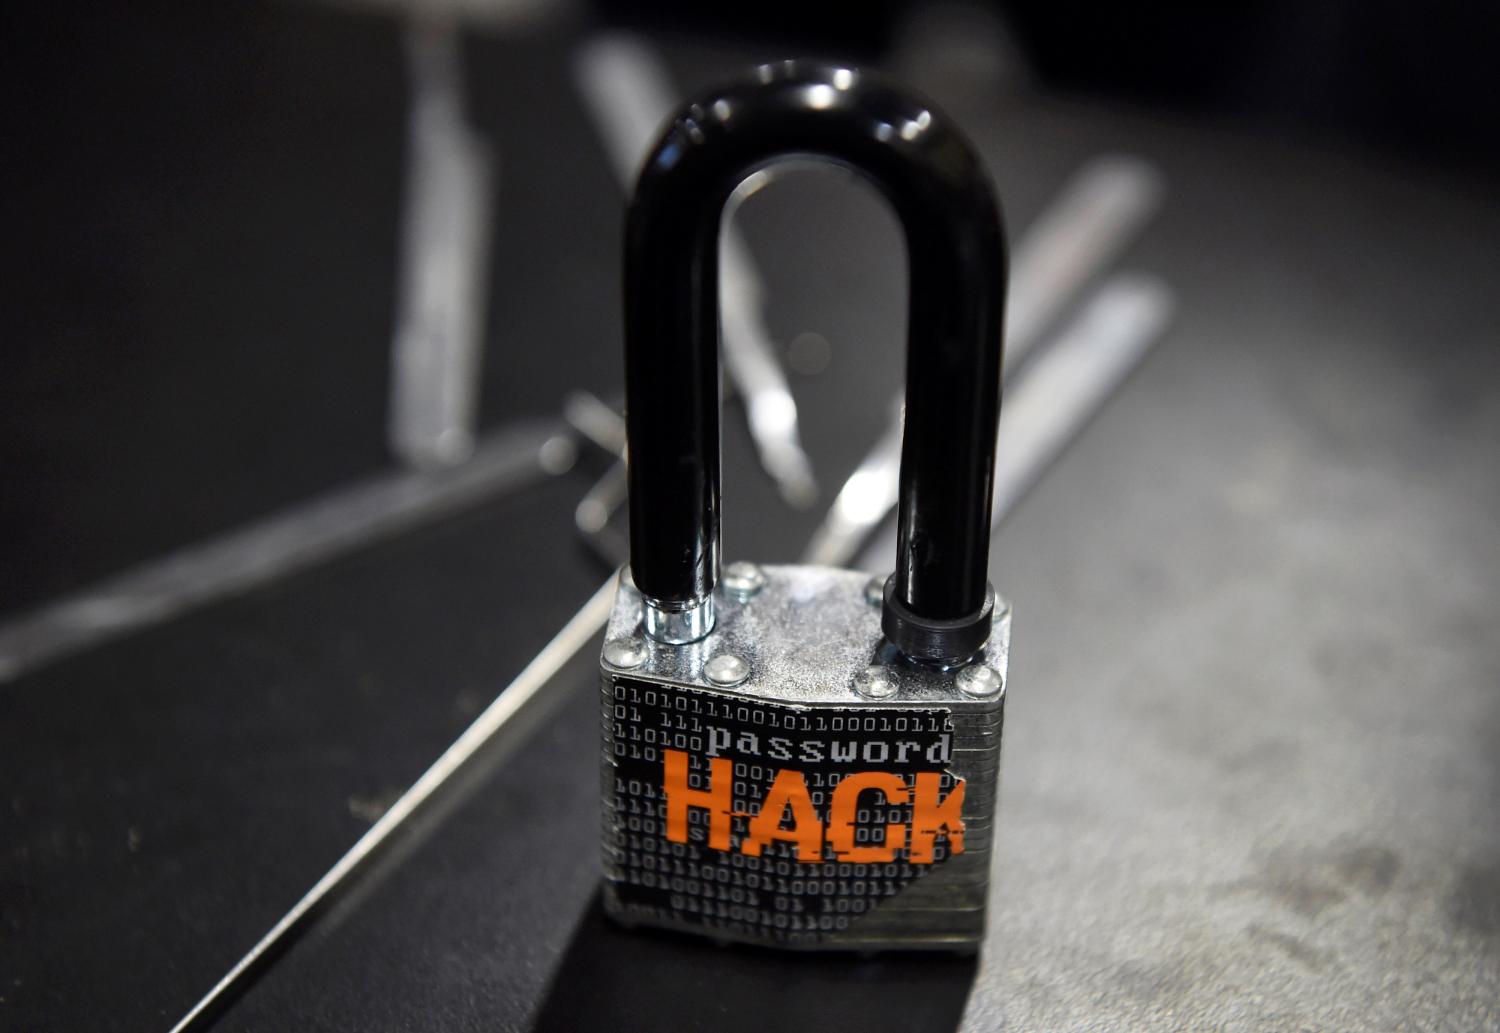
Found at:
[800, 757]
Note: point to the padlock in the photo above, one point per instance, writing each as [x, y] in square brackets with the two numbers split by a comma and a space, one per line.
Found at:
[801, 756]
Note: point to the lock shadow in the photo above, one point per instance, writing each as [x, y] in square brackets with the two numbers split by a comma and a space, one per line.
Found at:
[625, 981]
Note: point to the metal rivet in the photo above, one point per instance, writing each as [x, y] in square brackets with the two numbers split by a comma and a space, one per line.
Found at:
[625, 653]
[876, 683]
[979, 681]
[726, 669]
[743, 579]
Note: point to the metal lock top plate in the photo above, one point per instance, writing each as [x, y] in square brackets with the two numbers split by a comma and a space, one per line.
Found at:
[791, 780]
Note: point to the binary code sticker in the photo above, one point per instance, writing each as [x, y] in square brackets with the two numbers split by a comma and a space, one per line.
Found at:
[772, 822]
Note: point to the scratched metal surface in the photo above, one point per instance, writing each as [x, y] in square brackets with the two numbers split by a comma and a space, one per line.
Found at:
[1250, 777]
[806, 635]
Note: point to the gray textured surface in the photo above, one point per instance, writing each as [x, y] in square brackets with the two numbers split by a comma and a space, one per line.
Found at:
[1251, 774]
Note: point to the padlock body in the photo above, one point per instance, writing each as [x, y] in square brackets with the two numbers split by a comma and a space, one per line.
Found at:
[791, 809]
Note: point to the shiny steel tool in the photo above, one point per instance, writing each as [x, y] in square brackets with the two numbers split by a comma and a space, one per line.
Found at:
[627, 90]
[1063, 387]
[793, 756]
[600, 425]
[1098, 213]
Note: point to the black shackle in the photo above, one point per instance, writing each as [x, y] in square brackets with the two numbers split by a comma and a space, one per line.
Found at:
[938, 603]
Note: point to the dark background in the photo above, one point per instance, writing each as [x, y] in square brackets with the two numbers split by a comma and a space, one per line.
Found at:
[1251, 772]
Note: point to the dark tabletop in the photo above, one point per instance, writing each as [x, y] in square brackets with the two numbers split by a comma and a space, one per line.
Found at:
[1250, 773]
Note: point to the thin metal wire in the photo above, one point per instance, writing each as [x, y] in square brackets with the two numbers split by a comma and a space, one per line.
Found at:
[587, 623]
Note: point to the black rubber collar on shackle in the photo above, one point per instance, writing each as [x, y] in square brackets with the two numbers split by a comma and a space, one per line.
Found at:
[935, 640]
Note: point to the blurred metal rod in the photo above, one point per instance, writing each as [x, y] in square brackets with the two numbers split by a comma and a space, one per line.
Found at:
[630, 95]
[586, 413]
[1063, 388]
[750, 356]
[602, 500]
[605, 428]
[445, 240]
[575, 635]
[314, 532]
[1100, 211]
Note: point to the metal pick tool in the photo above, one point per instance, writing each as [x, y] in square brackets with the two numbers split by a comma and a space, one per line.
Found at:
[582, 630]
[1065, 385]
[602, 426]
[446, 226]
[1098, 214]
[629, 93]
